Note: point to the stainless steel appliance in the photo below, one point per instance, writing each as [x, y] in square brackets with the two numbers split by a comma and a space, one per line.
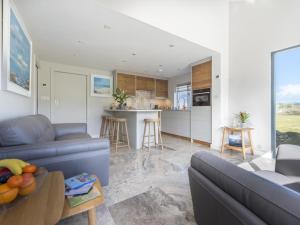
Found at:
[201, 97]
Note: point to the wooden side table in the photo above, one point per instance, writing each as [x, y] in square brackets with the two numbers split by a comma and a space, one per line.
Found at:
[89, 207]
[244, 147]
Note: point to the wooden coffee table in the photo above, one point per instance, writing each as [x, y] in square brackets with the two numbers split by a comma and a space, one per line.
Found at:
[89, 207]
[43, 207]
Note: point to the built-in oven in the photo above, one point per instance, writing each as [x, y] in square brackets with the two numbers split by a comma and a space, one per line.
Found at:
[201, 97]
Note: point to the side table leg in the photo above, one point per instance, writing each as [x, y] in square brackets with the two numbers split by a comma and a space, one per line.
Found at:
[243, 145]
[250, 142]
[223, 139]
[92, 216]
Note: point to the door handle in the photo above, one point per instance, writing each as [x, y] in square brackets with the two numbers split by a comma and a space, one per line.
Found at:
[56, 102]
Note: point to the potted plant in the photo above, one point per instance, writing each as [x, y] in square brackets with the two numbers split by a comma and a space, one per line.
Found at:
[244, 117]
[120, 97]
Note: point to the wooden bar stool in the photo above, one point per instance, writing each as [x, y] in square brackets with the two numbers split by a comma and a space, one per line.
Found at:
[155, 123]
[120, 133]
[105, 126]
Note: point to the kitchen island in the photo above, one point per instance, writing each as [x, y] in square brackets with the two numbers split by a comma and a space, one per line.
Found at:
[135, 121]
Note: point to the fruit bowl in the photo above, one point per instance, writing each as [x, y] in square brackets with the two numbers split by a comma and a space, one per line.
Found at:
[16, 188]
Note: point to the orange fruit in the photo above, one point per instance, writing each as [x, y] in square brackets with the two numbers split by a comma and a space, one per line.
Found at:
[29, 168]
[7, 194]
[15, 181]
[28, 188]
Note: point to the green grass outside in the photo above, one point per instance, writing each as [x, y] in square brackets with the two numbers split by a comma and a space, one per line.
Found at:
[288, 123]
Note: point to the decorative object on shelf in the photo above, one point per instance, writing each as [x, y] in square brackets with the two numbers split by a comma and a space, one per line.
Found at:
[244, 117]
[16, 178]
[120, 97]
[17, 52]
[101, 85]
[235, 140]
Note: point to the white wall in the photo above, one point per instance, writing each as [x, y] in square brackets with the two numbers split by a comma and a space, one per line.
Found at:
[174, 81]
[204, 22]
[14, 105]
[256, 30]
[95, 105]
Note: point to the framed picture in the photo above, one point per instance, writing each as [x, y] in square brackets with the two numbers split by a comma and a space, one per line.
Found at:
[17, 52]
[101, 85]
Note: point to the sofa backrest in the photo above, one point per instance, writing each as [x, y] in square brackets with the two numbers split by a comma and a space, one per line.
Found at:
[272, 203]
[26, 130]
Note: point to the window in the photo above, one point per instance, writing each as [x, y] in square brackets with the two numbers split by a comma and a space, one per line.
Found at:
[286, 97]
[182, 96]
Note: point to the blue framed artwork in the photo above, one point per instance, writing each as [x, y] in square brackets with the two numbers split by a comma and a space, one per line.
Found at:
[17, 52]
[101, 85]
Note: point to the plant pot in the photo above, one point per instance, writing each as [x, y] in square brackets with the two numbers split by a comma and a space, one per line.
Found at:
[244, 125]
[122, 106]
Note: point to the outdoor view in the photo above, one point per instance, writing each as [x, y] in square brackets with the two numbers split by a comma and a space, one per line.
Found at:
[287, 82]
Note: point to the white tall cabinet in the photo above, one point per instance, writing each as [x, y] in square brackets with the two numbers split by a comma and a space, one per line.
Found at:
[201, 123]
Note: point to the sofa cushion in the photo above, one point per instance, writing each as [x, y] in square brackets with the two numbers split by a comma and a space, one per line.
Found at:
[287, 160]
[26, 130]
[73, 136]
[271, 202]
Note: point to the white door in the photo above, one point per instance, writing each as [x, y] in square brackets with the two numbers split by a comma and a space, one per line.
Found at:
[68, 98]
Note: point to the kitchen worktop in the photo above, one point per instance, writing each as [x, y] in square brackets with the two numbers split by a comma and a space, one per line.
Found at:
[133, 110]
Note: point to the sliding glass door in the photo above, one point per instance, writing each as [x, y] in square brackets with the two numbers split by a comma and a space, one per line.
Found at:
[286, 97]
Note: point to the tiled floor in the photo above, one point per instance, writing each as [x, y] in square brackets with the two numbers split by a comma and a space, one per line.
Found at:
[152, 188]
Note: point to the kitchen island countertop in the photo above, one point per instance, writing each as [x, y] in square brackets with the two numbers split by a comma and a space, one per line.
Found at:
[133, 110]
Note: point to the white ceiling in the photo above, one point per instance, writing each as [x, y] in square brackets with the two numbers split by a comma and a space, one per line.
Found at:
[73, 32]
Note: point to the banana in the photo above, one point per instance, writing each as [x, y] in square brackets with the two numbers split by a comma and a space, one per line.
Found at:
[14, 165]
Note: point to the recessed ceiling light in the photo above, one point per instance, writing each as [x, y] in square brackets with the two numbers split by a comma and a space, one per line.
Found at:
[160, 70]
[106, 27]
[171, 46]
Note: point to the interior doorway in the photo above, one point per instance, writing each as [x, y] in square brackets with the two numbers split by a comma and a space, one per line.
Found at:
[286, 97]
[68, 98]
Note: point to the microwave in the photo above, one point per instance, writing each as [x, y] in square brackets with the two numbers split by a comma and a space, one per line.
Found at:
[201, 97]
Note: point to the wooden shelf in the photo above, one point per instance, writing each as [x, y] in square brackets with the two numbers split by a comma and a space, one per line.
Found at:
[235, 148]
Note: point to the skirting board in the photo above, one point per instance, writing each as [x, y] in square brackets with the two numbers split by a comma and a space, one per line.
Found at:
[188, 139]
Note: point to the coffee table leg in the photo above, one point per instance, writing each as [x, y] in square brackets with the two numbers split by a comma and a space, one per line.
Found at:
[92, 216]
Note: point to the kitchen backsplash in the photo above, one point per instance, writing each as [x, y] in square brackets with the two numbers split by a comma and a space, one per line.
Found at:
[147, 100]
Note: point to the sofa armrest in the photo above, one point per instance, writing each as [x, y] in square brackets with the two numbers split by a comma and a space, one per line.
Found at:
[69, 128]
[288, 160]
[54, 148]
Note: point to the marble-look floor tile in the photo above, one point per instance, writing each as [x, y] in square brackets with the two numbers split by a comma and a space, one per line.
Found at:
[152, 187]
[154, 207]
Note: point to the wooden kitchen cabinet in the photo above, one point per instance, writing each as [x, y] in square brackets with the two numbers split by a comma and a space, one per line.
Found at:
[145, 83]
[126, 82]
[140, 83]
[201, 76]
[161, 88]
[150, 84]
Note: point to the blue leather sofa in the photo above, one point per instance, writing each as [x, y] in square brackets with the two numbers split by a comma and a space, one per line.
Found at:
[64, 147]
